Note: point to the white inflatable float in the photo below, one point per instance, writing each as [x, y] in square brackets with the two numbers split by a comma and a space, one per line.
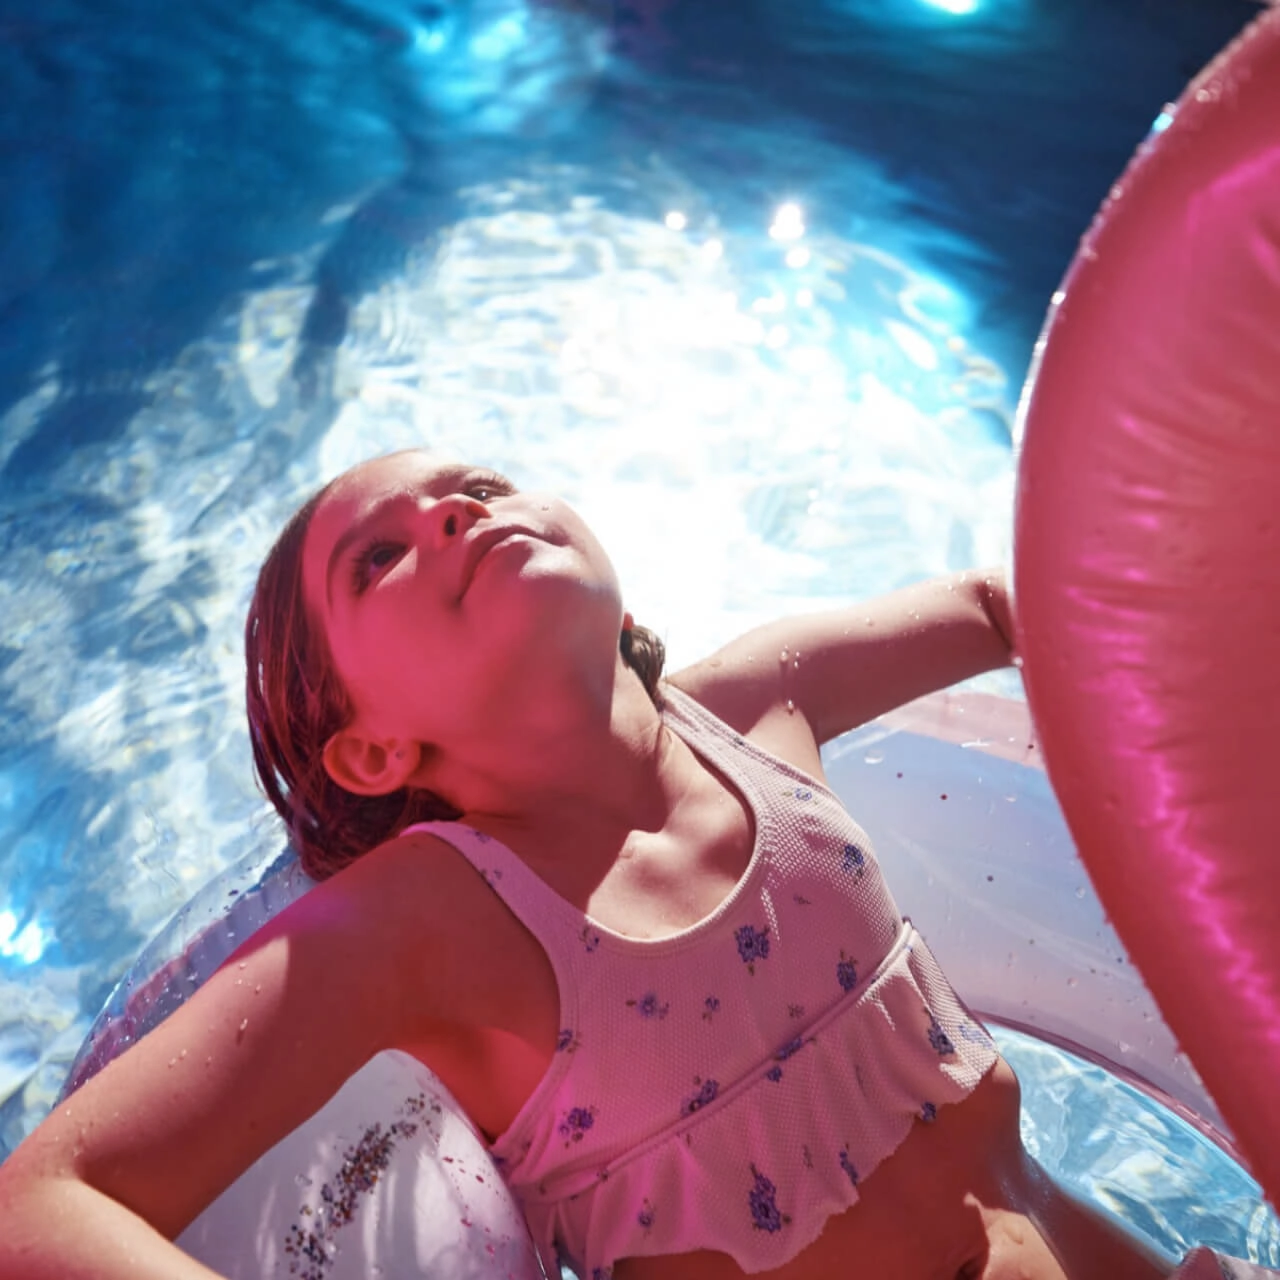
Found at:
[1148, 586]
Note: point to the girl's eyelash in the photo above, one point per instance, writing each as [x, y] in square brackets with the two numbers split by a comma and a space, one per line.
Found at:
[363, 562]
[491, 481]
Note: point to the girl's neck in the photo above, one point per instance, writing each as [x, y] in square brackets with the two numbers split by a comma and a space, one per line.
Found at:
[603, 763]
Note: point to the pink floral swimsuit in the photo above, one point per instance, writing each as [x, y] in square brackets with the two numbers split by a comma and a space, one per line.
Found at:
[729, 1087]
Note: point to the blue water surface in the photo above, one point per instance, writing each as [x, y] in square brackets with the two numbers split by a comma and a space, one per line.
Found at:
[753, 283]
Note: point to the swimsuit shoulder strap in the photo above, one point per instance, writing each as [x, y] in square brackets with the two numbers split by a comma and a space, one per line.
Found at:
[536, 905]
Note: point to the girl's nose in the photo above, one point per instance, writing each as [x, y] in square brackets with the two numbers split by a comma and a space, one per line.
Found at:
[453, 515]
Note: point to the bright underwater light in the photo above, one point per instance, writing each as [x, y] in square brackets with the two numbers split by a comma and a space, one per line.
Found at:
[959, 8]
[26, 945]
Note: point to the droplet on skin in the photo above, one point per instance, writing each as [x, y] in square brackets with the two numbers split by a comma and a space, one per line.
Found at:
[244, 1026]
[791, 706]
[782, 657]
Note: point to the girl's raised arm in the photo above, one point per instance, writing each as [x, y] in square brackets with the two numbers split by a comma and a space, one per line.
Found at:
[843, 667]
[126, 1163]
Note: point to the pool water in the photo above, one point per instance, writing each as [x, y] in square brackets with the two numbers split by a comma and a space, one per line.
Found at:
[1115, 1147]
[752, 285]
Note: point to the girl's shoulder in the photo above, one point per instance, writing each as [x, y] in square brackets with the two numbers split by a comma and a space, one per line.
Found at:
[465, 958]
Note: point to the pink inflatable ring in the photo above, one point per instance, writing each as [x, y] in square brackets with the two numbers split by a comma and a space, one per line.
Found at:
[1147, 572]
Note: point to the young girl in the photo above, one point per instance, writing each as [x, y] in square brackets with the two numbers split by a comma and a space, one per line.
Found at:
[620, 916]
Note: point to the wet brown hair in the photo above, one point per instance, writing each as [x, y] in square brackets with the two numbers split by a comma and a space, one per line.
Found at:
[296, 703]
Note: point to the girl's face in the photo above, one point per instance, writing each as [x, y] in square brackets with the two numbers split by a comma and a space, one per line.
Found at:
[442, 592]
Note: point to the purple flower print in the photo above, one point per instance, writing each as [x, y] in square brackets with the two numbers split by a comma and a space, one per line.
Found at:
[846, 973]
[601, 1273]
[938, 1039]
[853, 859]
[566, 1041]
[577, 1120]
[710, 1007]
[929, 1112]
[648, 1007]
[802, 793]
[590, 938]
[975, 1034]
[790, 1049]
[847, 1165]
[774, 1073]
[707, 1090]
[753, 945]
[762, 1199]
[646, 1216]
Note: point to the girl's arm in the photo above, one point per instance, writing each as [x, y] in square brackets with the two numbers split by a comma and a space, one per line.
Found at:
[126, 1163]
[843, 667]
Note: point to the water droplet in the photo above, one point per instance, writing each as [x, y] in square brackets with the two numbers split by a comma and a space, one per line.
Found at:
[782, 657]
[791, 706]
[874, 757]
[244, 1026]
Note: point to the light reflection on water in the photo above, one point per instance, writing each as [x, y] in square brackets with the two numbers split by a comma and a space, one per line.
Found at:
[1113, 1146]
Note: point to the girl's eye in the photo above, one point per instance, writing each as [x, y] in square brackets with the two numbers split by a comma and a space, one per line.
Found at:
[371, 559]
[489, 486]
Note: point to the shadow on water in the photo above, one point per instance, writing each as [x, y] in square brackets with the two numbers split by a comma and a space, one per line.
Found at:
[160, 161]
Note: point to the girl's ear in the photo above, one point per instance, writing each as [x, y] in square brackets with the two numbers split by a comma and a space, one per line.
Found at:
[369, 767]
